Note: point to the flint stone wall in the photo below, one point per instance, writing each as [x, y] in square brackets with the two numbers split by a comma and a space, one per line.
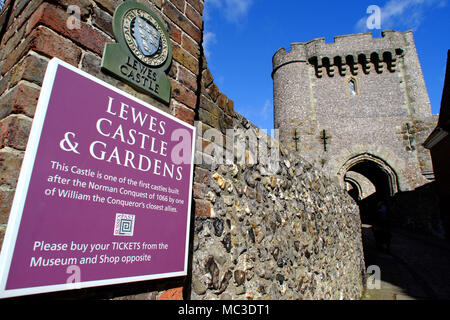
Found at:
[292, 234]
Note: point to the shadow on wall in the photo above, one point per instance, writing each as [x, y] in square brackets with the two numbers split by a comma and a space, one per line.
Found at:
[416, 211]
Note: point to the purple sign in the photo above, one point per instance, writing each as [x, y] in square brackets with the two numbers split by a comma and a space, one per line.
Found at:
[104, 192]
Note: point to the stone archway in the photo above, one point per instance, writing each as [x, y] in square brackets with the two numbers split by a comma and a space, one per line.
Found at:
[358, 186]
[378, 171]
[354, 188]
[360, 173]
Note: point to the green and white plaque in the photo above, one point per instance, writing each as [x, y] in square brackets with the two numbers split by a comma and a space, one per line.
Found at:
[143, 51]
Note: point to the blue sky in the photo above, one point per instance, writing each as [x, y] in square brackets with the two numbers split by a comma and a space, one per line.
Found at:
[241, 37]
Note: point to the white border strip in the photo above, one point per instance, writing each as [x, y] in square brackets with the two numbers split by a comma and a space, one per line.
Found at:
[15, 217]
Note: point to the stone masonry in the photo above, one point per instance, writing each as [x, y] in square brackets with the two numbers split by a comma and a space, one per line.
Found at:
[290, 234]
[356, 97]
[267, 232]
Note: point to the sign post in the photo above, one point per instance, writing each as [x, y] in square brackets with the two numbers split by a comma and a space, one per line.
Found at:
[104, 193]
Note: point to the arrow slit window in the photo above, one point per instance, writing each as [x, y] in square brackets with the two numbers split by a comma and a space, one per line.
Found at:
[352, 86]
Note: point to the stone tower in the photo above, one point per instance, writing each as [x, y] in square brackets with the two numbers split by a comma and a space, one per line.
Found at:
[359, 104]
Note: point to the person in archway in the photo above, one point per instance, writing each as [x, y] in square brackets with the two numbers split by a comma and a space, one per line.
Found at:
[382, 230]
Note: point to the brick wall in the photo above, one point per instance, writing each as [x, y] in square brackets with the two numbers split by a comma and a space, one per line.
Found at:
[215, 111]
[32, 32]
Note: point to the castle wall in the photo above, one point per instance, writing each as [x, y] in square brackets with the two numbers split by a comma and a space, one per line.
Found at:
[269, 232]
[292, 87]
[390, 94]
[371, 120]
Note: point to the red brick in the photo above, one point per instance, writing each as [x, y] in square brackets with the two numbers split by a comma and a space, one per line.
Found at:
[230, 107]
[9, 45]
[56, 19]
[185, 58]
[47, 42]
[31, 68]
[103, 21]
[4, 82]
[187, 78]
[202, 208]
[183, 95]
[109, 5]
[180, 20]
[15, 56]
[194, 16]
[172, 294]
[222, 101]
[2, 17]
[174, 33]
[173, 71]
[207, 78]
[213, 92]
[14, 132]
[21, 99]
[21, 12]
[197, 4]
[86, 7]
[180, 4]
[157, 3]
[190, 46]
[184, 113]
[201, 175]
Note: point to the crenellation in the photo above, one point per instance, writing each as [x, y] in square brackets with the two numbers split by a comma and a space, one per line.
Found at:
[388, 47]
[356, 62]
[373, 84]
[349, 38]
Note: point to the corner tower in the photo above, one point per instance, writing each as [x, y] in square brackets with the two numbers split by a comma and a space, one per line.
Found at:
[357, 100]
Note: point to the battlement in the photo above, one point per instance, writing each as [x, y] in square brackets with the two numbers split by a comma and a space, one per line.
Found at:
[347, 52]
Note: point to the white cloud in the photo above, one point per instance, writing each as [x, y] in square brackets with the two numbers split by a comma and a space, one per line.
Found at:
[402, 14]
[233, 10]
[209, 38]
[257, 114]
[266, 111]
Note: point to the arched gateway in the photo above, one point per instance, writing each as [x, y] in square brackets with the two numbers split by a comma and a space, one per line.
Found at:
[377, 171]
